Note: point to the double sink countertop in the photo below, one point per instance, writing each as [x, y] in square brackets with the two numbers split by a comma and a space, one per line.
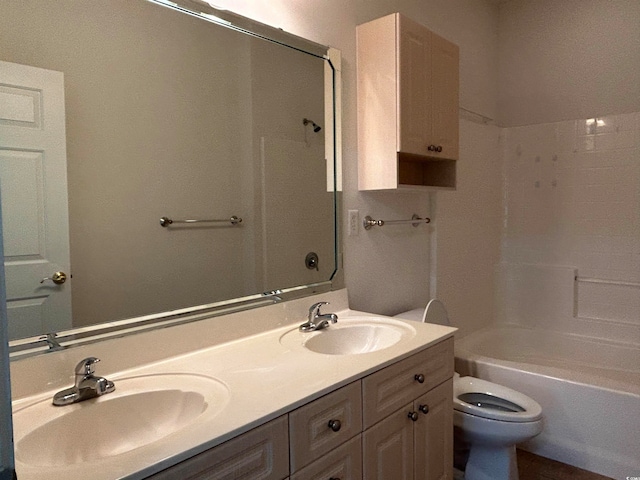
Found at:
[253, 379]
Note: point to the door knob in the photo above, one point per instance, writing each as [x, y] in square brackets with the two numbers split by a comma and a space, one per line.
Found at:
[58, 278]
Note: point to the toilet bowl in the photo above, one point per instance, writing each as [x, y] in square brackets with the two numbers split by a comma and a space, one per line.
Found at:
[491, 418]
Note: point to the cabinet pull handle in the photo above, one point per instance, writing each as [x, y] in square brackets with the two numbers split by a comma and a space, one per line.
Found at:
[424, 409]
[413, 416]
[419, 378]
[335, 425]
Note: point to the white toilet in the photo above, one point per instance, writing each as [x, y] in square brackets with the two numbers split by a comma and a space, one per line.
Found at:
[491, 418]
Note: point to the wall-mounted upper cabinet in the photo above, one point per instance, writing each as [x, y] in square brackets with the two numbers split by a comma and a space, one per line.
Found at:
[408, 84]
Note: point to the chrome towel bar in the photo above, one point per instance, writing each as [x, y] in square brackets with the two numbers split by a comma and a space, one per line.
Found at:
[607, 282]
[166, 221]
[416, 220]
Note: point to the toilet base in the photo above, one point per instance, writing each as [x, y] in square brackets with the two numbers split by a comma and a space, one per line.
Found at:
[492, 463]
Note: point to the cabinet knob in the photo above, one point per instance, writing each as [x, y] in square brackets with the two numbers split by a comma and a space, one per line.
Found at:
[413, 416]
[424, 409]
[431, 148]
[335, 425]
[419, 378]
[439, 148]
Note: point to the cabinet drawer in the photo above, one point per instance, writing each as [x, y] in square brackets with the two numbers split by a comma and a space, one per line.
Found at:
[260, 454]
[345, 463]
[325, 423]
[396, 385]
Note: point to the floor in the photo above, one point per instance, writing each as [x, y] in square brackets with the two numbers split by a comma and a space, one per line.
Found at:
[534, 467]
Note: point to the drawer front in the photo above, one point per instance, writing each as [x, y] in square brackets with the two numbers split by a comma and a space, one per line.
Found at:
[260, 454]
[325, 423]
[345, 463]
[396, 385]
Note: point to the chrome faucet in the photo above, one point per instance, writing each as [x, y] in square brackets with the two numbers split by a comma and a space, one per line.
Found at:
[87, 385]
[316, 320]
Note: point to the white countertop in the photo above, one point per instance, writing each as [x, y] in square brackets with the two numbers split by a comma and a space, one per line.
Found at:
[264, 379]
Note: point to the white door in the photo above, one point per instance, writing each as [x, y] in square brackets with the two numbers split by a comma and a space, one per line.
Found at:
[33, 185]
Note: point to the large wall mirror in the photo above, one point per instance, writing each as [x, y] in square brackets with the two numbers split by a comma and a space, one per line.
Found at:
[115, 114]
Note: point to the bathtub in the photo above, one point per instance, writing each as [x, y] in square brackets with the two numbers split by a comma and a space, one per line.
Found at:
[589, 391]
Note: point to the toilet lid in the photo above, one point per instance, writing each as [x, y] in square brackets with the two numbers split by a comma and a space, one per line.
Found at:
[485, 399]
[435, 312]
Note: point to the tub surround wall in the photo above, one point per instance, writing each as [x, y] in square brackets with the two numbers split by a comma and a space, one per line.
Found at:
[573, 203]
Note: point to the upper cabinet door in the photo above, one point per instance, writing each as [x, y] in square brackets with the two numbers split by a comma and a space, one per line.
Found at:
[407, 106]
[415, 92]
[445, 96]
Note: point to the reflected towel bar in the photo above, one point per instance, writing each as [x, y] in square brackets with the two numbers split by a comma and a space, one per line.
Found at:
[607, 282]
[166, 221]
[369, 222]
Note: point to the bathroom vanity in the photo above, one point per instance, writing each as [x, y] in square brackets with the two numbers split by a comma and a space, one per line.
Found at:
[267, 404]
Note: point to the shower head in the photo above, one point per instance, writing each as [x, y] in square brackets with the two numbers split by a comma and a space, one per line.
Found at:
[316, 127]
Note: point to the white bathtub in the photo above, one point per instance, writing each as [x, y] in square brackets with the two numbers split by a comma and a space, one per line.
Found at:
[589, 391]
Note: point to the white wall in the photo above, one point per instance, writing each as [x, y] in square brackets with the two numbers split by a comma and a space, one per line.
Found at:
[568, 59]
[388, 270]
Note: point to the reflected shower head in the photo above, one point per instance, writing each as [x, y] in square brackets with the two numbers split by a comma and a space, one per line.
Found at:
[316, 127]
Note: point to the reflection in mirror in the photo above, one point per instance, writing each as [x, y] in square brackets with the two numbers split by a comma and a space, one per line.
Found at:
[115, 114]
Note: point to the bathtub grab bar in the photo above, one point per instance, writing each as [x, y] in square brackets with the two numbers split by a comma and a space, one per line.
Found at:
[166, 221]
[607, 282]
[416, 220]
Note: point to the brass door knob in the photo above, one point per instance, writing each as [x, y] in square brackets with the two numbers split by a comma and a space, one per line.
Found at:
[58, 278]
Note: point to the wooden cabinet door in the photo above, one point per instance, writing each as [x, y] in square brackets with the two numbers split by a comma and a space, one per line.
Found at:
[433, 434]
[414, 60]
[444, 97]
[388, 448]
[259, 454]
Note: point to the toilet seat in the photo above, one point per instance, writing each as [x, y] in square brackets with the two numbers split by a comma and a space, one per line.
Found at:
[498, 402]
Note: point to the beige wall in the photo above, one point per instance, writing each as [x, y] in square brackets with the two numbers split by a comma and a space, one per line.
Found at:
[469, 230]
[568, 59]
[388, 270]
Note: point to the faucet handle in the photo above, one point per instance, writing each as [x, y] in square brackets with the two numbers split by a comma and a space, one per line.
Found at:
[314, 310]
[86, 367]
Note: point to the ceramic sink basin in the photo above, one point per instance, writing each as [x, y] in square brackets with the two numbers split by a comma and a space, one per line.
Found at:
[141, 411]
[351, 336]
